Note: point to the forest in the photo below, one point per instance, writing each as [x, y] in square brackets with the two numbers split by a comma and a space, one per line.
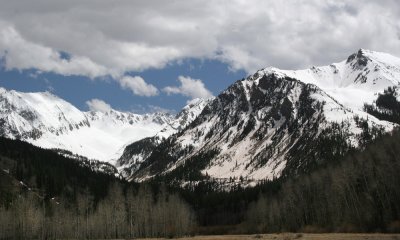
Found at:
[358, 194]
[47, 196]
[44, 195]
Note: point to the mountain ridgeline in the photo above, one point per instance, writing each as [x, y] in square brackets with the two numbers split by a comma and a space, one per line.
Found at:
[266, 126]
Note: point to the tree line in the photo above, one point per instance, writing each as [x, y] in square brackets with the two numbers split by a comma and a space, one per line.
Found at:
[386, 107]
[135, 213]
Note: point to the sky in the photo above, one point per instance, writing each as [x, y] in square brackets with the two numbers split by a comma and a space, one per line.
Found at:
[153, 55]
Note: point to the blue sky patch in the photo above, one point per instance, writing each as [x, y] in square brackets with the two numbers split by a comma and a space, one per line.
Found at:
[215, 75]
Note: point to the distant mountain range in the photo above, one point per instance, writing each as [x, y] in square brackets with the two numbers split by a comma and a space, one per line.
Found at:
[45, 120]
[270, 124]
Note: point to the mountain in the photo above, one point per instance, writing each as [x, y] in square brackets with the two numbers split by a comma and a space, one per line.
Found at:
[45, 120]
[273, 123]
[278, 123]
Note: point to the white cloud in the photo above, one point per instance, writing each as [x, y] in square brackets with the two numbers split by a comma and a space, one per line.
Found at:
[98, 105]
[21, 54]
[104, 38]
[193, 88]
[138, 86]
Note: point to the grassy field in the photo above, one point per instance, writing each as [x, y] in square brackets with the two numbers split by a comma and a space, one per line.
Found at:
[301, 236]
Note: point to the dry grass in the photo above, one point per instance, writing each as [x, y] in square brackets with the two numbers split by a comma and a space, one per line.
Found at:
[301, 236]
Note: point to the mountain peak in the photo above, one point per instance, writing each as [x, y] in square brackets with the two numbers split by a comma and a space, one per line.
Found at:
[363, 55]
[364, 73]
[360, 57]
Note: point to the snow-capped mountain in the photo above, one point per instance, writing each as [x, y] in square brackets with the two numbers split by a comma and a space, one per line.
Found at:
[279, 122]
[353, 81]
[45, 120]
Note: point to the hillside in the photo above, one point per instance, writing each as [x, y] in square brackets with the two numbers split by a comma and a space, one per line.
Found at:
[280, 123]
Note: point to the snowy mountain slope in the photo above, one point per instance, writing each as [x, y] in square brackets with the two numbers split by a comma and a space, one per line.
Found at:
[47, 121]
[27, 115]
[135, 153]
[276, 123]
[362, 74]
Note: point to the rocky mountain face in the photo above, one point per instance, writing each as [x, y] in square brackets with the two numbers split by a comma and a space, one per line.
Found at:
[278, 122]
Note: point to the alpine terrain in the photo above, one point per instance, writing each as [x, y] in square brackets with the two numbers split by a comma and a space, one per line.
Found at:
[272, 123]
[50, 122]
[276, 123]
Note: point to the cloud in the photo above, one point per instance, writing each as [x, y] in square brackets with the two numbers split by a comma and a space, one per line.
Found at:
[193, 88]
[138, 86]
[98, 105]
[21, 54]
[103, 38]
